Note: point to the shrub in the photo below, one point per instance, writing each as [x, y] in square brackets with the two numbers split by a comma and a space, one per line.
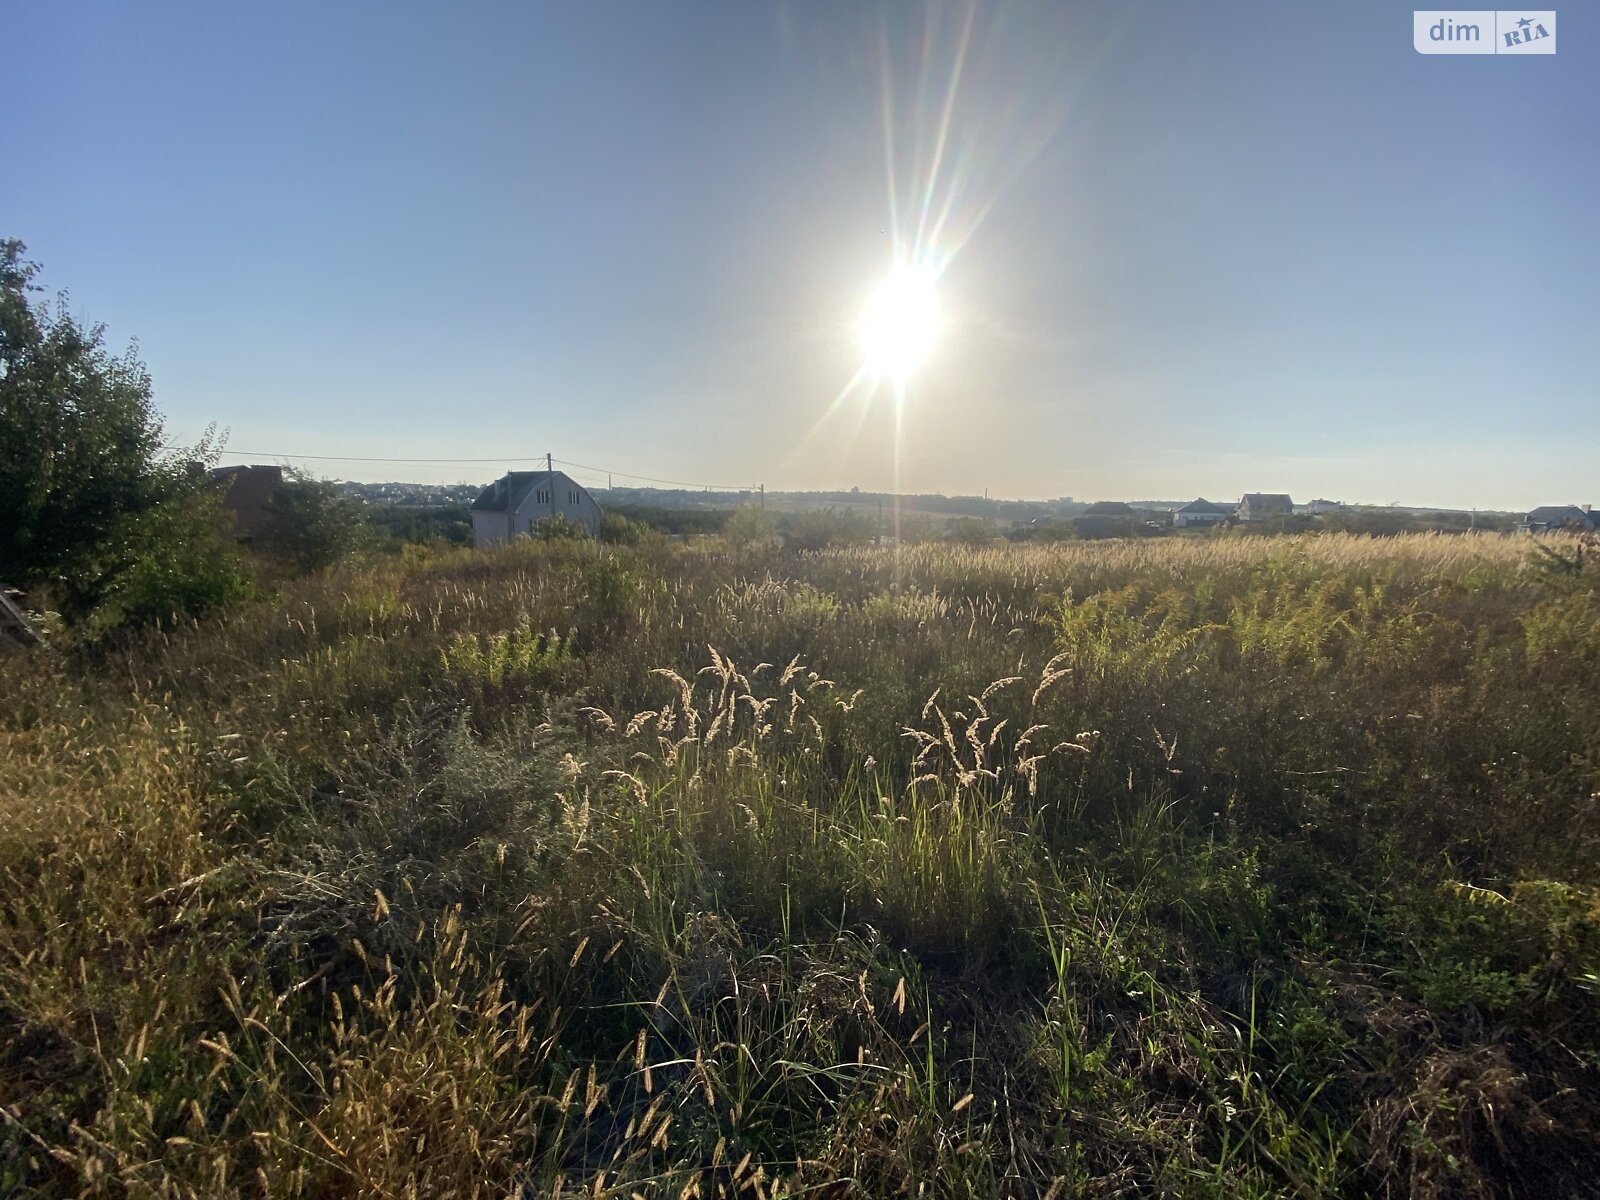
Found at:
[178, 565]
[819, 529]
[418, 525]
[313, 525]
[970, 531]
[749, 528]
[619, 530]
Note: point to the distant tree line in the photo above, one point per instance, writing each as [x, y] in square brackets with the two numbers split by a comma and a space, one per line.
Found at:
[673, 520]
[447, 523]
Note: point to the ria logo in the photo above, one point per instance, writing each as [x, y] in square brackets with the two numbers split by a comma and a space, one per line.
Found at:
[1528, 30]
[1484, 31]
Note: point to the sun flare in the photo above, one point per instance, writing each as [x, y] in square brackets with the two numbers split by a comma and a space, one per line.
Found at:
[901, 322]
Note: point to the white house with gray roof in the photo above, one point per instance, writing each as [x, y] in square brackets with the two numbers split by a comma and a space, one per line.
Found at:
[517, 502]
[1577, 517]
[1200, 512]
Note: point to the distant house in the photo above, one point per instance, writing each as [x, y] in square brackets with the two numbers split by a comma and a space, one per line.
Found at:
[1200, 512]
[517, 503]
[1560, 516]
[1317, 507]
[1107, 518]
[1258, 506]
[247, 494]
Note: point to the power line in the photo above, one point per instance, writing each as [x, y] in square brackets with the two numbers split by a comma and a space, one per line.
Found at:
[357, 458]
[725, 487]
[349, 458]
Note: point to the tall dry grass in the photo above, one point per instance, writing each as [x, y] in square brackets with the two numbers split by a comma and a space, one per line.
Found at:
[1214, 867]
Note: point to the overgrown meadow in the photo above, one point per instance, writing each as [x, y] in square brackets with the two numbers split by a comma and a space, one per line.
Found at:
[1256, 867]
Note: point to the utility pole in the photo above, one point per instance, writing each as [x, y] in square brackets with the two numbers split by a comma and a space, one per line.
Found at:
[550, 481]
[763, 489]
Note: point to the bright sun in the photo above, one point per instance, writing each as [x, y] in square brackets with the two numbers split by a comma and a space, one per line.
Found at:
[901, 322]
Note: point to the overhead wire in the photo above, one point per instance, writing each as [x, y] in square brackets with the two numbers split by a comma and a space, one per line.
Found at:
[725, 487]
[606, 471]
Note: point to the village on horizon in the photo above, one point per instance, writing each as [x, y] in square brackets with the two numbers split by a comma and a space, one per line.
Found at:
[518, 501]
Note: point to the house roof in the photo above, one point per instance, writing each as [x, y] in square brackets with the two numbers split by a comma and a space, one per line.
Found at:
[1202, 505]
[1108, 508]
[1555, 514]
[506, 493]
[269, 469]
[1266, 500]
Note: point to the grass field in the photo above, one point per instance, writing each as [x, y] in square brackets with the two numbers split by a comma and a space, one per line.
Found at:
[1256, 867]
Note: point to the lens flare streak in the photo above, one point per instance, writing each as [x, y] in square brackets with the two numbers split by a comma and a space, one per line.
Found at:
[942, 184]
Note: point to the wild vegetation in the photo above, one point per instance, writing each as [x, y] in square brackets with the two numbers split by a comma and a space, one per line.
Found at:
[1253, 867]
[104, 523]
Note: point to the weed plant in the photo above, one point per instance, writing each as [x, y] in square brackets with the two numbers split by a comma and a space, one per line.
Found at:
[1255, 867]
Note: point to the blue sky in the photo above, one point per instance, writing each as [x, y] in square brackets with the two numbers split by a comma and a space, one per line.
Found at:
[1191, 249]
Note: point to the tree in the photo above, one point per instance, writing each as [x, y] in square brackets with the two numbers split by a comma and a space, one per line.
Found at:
[179, 564]
[87, 492]
[749, 528]
[621, 531]
[402, 524]
[313, 524]
[558, 528]
[970, 531]
[817, 529]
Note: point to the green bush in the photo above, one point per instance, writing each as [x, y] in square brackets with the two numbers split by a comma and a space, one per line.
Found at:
[557, 528]
[619, 530]
[178, 565]
[313, 525]
[419, 525]
[749, 528]
[819, 529]
[970, 531]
